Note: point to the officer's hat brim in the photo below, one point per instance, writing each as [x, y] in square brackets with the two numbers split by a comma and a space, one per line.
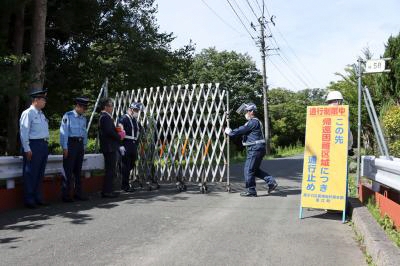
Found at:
[82, 101]
[38, 92]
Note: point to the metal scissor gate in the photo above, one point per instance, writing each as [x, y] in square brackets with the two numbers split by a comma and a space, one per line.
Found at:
[183, 133]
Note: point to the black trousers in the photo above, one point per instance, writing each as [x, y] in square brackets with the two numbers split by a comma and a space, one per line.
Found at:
[73, 167]
[127, 165]
[110, 163]
[33, 171]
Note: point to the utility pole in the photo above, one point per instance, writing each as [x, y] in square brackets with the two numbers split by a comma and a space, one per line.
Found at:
[265, 86]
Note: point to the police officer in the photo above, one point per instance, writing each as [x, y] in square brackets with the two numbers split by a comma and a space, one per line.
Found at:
[109, 145]
[130, 143]
[73, 140]
[34, 134]
[254, 141]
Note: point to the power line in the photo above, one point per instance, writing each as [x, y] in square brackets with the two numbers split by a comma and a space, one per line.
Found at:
[241, 21]
[297, 58]
[303, 67]
[266, 9]
[241, 11]
[252, 10]
[226, 23]
[291, 51]
[285, 58]
[259, 7]
[294, 72]
[305, 77]
[282, 74]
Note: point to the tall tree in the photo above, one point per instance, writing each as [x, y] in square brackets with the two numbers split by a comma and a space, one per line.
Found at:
[236, 72]
[389, 83]
[14, 94]
[38, 37]
[288, 114]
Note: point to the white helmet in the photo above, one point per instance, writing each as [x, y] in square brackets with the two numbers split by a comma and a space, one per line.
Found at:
[334, 95]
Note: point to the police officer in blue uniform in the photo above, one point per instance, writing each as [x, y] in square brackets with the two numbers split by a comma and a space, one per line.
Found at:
[34, 134]
[130, 143]
[254, 141]
[73, 140]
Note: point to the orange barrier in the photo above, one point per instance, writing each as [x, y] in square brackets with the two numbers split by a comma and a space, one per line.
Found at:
[184, 146]
[388, 201]
[206, 148]
[162, 148]
[142, 149]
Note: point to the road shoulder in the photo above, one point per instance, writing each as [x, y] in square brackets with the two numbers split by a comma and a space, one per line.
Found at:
[378, 245]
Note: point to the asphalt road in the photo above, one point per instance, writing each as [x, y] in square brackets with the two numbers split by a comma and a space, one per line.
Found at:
[165, 227]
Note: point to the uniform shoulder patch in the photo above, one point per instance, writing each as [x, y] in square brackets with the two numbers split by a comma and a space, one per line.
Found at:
[65, 117]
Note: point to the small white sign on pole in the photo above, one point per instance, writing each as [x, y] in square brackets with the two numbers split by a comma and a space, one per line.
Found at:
[375, 66]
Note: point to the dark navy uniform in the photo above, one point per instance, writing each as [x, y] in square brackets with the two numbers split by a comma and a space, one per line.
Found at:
[34, 134]
[254, 141]
[73, 138]
[130, 147]
[109, 146]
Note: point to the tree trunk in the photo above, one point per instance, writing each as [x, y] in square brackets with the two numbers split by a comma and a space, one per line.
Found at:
[13, 104]
[37, 46]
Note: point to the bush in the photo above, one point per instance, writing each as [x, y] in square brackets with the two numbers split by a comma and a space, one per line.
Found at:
[391, 125]
[54, 142]
[55, 148]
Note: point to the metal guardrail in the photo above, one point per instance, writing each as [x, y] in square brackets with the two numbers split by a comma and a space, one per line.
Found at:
[11, 166]
[382, 170]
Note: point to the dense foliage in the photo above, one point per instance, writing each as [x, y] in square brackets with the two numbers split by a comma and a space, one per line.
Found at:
[385, 94]
[86, 41]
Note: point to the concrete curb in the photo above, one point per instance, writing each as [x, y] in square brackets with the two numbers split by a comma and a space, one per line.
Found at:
[378, 245]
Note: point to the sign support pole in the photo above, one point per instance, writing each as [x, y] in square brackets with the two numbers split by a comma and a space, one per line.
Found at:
[359, 93]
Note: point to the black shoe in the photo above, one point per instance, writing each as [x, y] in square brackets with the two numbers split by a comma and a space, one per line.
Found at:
[30, 205]
[129, 189]
[248, 194]
[67, 199]
[272, 187]
[42, 203]
[109, 195]
[81, 198]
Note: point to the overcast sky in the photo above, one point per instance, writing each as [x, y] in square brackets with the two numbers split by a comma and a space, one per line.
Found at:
[316, 38]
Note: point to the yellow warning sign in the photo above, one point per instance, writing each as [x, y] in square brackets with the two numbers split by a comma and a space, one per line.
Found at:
[324, 181]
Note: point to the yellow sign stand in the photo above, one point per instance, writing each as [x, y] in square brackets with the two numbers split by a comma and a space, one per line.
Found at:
[324, 184]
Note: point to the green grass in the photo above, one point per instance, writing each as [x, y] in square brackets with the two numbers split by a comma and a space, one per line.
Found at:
[385, 222]
[280, 152]
[352, 188]
[360, 240]
[291, 150]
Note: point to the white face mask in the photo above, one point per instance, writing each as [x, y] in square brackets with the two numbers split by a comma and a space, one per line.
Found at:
[248, 116]
[135, 115]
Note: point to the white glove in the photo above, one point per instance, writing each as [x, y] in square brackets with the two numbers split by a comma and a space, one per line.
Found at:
[228, 130]
[122, 150]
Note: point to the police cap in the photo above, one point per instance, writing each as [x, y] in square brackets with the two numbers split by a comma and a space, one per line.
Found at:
[82, 101]
[38, 92]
